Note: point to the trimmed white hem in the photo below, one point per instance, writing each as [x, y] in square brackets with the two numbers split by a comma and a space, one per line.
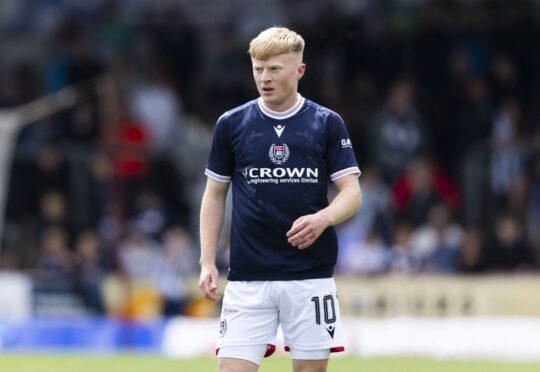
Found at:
[344, 172]
[217, 177]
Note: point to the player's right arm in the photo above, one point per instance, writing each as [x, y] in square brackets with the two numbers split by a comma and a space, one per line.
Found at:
[211, 222]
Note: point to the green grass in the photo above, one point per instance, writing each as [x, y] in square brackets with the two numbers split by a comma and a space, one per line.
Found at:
[132, 363]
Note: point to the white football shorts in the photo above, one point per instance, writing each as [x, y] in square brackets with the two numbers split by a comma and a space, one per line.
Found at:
[307, 310]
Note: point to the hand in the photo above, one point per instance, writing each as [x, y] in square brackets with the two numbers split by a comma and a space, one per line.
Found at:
[208, 282]
[306, 229]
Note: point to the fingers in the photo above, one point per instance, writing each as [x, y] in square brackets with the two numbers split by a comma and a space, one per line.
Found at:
[302, 238]
[306, 244]
[305, 231]
[298, 230]
[297, 226]
[213, 295]
[209, 286]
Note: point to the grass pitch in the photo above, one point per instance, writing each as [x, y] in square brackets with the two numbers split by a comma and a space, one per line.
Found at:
[134, 363]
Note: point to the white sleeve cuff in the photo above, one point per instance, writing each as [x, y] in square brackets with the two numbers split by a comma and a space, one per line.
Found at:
[217, 177]
[344, 172]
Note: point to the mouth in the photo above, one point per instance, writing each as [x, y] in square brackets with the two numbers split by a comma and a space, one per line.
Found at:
[267, 89]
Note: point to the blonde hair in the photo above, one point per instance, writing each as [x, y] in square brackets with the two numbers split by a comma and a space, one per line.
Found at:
[275, 41]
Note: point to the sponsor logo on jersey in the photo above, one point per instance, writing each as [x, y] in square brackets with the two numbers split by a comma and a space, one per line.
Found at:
[346, 143]
[281, 175]
[279, 153]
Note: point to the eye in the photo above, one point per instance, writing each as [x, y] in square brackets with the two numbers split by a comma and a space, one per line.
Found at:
[258, 69]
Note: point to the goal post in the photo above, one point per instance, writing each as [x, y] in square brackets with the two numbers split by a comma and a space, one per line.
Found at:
[9, 128]
[12, 120]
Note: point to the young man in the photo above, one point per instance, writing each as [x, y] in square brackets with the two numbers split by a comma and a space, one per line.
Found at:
[279, 152]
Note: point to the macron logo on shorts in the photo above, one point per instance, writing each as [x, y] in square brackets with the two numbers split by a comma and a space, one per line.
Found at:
[331, 330]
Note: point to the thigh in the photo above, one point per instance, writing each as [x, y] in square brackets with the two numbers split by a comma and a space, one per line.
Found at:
[310, 365]
[309, 315]
[236, 365]
[248, 316]
[241, 358]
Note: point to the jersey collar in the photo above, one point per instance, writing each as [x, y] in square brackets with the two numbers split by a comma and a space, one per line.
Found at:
[280, 115]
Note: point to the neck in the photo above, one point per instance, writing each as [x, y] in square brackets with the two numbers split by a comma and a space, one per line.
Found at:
[283, 113]
[286, 105]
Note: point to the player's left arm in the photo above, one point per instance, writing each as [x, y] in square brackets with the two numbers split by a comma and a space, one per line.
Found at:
[306, 229]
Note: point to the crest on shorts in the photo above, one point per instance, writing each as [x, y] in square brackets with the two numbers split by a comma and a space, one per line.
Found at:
[222, 328]
[279, 153]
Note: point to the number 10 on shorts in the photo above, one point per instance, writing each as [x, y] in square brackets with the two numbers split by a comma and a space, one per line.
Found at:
[328, 309]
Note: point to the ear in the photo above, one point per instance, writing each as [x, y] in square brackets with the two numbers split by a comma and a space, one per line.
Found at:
[300, 71]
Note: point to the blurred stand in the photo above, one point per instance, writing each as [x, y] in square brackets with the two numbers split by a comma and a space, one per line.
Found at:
[107, 110]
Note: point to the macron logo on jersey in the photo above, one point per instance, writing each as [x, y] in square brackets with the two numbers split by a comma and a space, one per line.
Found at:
[279, 130]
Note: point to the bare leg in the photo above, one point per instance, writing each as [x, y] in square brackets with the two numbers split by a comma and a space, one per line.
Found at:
[310, 365]
[236, 365]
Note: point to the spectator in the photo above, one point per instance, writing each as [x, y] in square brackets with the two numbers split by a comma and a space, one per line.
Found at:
[112, 224]
[102, 189]
[178, 263]
[46, 173]
[90, 270]
[508, 162]
[112, 33]
[139, 261]
[138, 256]
[473, 119]
[159, 109]
[437, 242]
[84, 65]
[81, 124]
[422, 186]
[472, 258]
[375, 213]
[367, 257]
[505, 79]
[533, 210]
[402, 259]
[55, 264]
[509, 249]
[54, 211]
[128, 142]
[151, 215]
[399, 133]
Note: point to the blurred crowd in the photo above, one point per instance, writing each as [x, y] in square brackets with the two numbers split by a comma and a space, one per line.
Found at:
[440, 99]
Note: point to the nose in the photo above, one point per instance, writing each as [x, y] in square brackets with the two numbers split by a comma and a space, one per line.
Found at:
[265, 75]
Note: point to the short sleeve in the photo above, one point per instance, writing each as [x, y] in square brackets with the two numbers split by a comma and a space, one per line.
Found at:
[340, 158]
[220, 162]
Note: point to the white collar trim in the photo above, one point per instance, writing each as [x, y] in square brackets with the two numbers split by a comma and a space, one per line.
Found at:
[280, 115]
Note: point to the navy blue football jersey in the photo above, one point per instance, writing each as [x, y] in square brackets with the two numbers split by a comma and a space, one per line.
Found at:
[279, 165]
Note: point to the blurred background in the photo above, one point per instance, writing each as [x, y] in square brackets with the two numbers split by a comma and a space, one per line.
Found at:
[106, 115]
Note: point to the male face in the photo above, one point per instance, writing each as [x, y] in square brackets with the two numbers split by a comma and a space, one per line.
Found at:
[277, 79]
